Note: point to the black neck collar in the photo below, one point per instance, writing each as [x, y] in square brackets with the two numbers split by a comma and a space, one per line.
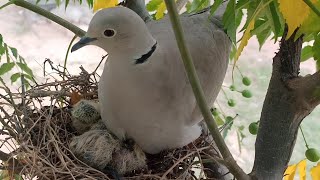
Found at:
[145, 57]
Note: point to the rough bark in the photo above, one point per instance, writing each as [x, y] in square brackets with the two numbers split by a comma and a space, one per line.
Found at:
[287, 103]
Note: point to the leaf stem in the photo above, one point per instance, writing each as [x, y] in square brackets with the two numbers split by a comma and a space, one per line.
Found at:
[304, 138]
[67, 54]
[312, 6]
[76, 30]
[199, 95]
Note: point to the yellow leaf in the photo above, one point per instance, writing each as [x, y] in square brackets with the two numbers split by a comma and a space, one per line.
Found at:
[315, 172]
[294, 12]
[311, 24]
[160, 11]
[100, 4]
[302, 169]
[290, 172]
[246, 35]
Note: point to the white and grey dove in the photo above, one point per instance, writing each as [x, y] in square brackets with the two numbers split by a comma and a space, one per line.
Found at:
[144, 93]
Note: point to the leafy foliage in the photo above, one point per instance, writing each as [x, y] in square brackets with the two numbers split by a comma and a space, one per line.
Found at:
[267, 18]
[197, 5]
[289, 9]
[13, 59]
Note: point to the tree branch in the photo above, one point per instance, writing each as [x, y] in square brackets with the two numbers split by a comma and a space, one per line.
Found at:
[198, 92]
[25, 4]
[308, 87]
[284, 108]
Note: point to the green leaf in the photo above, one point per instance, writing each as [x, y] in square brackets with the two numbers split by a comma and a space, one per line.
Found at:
[316, 48]
[251, 8]
[14, 52]
[239, 16]
[90, 3]
[14, 77]
[66, 4]
[306, 53]
[242, 4]
[263, 36]
[2, 51]
[25, 68]
[58, 2]
[274, 18]
[219, 120]
[229, 22]
[6, 67]
[215, 6]
[153, 5]
[262, 30]
[28, 77]
[1, 40]
[198, 5]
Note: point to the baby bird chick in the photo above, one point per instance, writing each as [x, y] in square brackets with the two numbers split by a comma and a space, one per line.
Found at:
[84, 114]
[99, 148]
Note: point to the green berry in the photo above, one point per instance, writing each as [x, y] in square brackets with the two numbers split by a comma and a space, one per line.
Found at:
[253, 128]
[229, 119]
[246, 81]
[231, 103]
[246, 93]
[214, 111]
[312, 155]
[232, 88]
[219, 121]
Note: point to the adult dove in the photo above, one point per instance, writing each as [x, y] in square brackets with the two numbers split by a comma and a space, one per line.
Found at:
[144, 93]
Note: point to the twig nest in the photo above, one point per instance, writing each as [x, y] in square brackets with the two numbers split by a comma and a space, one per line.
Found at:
[84, 114]
[95, 147]
[126, 160]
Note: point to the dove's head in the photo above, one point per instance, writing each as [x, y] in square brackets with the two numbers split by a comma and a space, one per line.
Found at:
[117, 29]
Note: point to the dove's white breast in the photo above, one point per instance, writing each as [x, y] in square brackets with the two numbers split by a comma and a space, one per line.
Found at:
[153, 102]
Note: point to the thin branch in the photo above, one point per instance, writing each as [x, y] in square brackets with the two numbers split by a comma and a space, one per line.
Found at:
[25, 4]
[13, 164]
[199, 94]
[5, 5]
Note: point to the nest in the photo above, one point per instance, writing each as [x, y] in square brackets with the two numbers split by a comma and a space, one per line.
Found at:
[37, 129]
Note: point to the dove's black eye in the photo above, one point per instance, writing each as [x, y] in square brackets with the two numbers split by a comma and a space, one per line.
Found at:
[109, 32]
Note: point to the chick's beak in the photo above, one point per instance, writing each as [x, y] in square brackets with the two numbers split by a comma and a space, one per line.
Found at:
[82, 42]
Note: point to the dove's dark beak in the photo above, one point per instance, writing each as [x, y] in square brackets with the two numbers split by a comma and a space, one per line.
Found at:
[82, 42]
